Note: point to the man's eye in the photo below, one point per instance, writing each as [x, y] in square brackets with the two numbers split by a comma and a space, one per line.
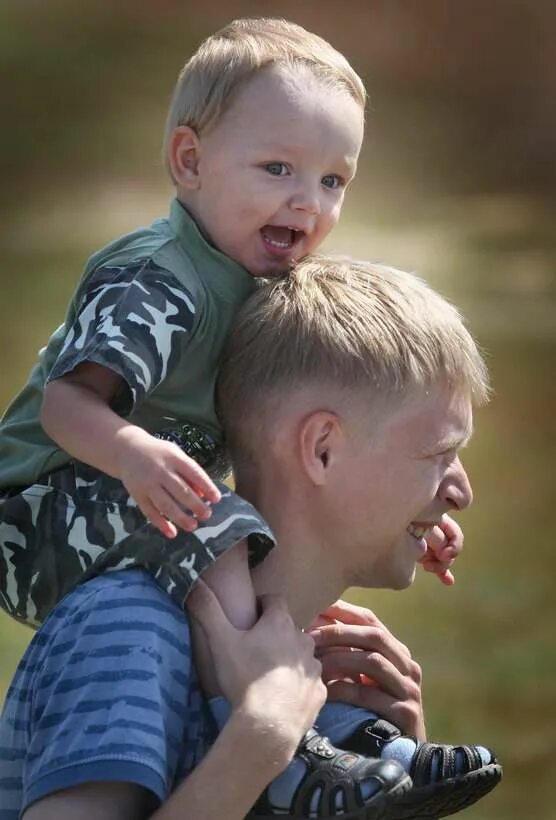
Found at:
[277, 169]
[447, 455]
[332, 181]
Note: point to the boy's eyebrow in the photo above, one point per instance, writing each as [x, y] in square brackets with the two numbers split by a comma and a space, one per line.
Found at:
[285, 150]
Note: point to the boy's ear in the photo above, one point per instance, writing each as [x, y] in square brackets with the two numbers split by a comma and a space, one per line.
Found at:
[320, 439]
[184, 151]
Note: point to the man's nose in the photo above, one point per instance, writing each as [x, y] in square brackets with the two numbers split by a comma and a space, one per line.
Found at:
[455, 489]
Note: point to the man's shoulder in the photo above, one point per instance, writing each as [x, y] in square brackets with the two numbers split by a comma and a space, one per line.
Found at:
[107, 683]
[125, 609]
[115, 596]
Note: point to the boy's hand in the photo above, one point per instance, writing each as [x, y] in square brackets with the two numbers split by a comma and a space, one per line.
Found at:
[365, 665]
[170, 488]
[444, 544]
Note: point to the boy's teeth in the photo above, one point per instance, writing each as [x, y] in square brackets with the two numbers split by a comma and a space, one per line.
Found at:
[278, 237]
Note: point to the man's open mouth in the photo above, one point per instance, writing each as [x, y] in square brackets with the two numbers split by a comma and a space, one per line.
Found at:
[281, 238]
[419, 530]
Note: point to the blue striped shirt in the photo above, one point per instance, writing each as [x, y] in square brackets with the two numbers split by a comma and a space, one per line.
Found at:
[106, 691]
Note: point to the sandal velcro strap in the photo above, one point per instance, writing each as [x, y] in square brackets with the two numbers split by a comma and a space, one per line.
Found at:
[371, 736]
[333, 785]
[436, 762]
[446, 779]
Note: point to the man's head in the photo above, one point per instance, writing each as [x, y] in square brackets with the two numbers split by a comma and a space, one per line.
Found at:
[349, 387]
[262, 139]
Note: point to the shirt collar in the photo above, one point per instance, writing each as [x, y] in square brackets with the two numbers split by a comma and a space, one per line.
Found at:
[222, 271]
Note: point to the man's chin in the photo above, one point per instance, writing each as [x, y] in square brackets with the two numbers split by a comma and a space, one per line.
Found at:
[404, 580]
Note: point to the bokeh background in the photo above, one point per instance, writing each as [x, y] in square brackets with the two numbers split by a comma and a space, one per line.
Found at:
[457, 182]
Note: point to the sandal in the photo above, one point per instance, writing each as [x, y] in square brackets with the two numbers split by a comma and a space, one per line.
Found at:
[333, 786]
[446, 779]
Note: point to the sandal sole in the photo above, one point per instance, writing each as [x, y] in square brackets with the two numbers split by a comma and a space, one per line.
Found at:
[379, 810]
[445, 798]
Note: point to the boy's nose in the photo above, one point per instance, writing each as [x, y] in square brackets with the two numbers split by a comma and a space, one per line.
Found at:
[455, 489]
[306, 199]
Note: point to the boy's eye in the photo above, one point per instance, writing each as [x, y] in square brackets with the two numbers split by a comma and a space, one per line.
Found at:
[277, 169]
[332, 181]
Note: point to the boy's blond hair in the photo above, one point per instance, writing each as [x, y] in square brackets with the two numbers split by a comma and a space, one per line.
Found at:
[228, 59]
[343, 324]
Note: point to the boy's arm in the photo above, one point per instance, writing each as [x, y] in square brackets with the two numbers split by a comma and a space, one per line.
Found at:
[163, 480]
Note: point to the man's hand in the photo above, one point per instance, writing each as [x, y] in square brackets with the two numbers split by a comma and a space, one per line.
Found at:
[444, 544]
[269, 673]
[365, 665]
[170, 488]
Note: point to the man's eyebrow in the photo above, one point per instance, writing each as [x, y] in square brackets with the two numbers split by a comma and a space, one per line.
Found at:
[455, 442]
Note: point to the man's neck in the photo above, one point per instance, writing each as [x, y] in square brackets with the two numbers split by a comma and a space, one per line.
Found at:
[302, 567]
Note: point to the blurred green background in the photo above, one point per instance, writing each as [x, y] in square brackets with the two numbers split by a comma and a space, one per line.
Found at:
[457, 182]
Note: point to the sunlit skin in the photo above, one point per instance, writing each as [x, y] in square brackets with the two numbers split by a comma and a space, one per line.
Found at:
[409, 475]
[266, 184]
[346, 476]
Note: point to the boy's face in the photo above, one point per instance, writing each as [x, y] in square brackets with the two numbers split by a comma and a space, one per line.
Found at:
[400, 482]
[272, 174]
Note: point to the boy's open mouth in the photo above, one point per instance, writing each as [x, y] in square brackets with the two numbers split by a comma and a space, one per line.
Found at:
[281, 238]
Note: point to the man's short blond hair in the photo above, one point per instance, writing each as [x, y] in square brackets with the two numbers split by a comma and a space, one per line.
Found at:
[342, 324]
[228, 59]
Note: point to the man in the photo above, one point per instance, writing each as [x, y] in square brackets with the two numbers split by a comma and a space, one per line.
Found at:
[347, 392]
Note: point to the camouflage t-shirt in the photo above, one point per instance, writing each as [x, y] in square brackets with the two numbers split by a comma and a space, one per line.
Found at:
[155, 306]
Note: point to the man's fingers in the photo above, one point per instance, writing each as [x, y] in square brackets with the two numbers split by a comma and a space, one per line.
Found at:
[373, 665]
[367, 697]
[407, 715]
[367, 638]
[348, 613]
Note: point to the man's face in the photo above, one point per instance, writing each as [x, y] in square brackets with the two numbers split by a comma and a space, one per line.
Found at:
[398, 483]
[274, 170]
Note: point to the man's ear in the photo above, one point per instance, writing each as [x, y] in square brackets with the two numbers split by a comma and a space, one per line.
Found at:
[184, 152]
[320, 439]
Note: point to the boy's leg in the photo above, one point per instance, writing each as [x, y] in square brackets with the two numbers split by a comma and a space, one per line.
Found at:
[230, 580]
[363, 786]
[446, 778]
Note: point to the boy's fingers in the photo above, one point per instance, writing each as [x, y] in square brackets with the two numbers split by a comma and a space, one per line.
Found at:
[170, 509]
[197, 478]
[157, 520]
[185, 499]
[446, 577]
[436, 539]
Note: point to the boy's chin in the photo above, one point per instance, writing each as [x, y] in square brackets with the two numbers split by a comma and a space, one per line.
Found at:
[272, 272]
